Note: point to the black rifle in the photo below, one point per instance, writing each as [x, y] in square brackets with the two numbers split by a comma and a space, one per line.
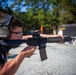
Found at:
[36, 40]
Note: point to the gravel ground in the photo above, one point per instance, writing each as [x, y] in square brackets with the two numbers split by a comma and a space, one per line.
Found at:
[61, 60]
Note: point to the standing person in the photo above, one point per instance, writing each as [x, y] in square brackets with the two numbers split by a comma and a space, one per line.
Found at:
[60, 33]
[10, 67]
[41, 30]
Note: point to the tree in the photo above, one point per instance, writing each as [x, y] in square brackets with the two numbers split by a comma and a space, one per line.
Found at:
[4, 7]
[45, 12]
[36, 12]
[67, 12]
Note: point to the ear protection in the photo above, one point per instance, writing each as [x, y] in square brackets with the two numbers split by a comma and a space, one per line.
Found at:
[4, 26]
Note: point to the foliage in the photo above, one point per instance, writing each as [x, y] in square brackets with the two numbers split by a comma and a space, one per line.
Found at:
[67, 12]
[47, 13]
[5, 8]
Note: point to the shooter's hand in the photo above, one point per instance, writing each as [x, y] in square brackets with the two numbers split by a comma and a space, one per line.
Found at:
[28, 51]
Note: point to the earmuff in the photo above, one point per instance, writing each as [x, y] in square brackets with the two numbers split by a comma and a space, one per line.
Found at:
[4, 27]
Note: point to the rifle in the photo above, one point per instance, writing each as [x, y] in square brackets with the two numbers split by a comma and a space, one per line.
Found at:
[36, 40]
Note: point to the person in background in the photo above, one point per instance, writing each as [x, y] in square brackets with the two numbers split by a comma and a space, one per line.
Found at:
[60, 33]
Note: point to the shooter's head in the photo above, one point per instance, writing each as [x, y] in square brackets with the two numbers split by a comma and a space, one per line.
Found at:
[16, 29]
